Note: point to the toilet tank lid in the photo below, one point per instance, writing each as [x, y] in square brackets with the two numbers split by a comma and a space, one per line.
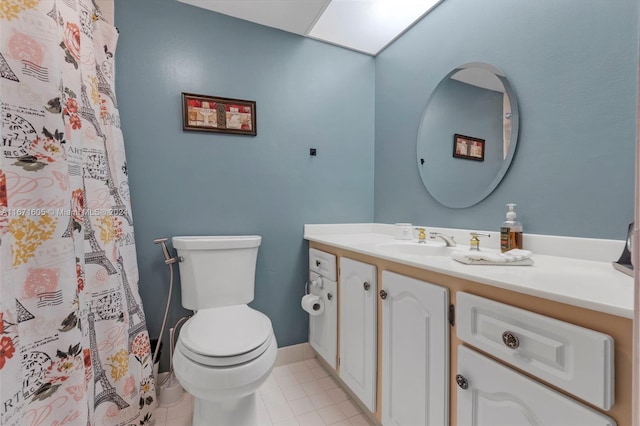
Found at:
[216, 242]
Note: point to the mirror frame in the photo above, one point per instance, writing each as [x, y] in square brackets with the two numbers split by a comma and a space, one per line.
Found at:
[513, 142]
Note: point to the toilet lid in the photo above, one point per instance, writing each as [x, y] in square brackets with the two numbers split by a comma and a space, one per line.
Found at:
[226, 332]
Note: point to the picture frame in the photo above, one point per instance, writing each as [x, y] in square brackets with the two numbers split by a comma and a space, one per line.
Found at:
[202, 113]
[468, 147]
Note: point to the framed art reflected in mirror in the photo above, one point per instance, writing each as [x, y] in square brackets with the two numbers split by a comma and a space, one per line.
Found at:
[468, 148]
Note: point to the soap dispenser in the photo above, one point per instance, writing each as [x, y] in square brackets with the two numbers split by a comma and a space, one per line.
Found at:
[510, 231]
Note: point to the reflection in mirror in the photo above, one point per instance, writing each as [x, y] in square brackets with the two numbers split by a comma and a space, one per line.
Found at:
[473, 114]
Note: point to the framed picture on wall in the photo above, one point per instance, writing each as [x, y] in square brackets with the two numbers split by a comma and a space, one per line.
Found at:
[203, 113]
[468, 148]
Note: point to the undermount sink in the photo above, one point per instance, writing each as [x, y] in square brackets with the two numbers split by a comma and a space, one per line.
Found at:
[415, 249]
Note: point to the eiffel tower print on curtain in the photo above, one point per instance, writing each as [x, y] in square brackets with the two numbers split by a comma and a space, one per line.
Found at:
[6, 71]
[104, 390]
[137, 321]
[97, 255]
[88, 114]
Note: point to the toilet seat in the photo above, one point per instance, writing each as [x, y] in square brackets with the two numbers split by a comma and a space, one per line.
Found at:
[225, 336]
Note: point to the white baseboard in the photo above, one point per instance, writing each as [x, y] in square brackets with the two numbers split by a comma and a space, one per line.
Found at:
[294, 353]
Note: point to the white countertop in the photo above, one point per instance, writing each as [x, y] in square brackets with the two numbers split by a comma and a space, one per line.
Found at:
[585, 278]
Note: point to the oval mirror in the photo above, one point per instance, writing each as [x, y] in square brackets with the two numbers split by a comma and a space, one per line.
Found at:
[468, 135]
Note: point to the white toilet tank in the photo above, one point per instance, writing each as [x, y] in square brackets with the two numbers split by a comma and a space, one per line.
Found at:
[217, 271]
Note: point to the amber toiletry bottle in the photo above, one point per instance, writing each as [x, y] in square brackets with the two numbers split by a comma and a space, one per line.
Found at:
[510, 231]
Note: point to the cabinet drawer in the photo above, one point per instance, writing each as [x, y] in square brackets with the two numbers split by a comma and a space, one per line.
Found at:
[323, 263]
[573, 358]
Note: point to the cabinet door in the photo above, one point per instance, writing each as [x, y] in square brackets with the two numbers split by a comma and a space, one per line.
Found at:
[358, 329]
[499, 396]
[415, 352]
[323, 328]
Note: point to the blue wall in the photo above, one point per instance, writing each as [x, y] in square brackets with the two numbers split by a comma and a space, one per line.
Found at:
[573, 66]
[308, 94]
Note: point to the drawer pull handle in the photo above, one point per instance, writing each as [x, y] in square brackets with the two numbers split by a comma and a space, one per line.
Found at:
[329, 296]
[383, 294]
[462, 382]
[317, 263]
[510, 339]
[366, 286]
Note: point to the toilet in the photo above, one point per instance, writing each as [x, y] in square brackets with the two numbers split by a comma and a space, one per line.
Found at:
[227, 349]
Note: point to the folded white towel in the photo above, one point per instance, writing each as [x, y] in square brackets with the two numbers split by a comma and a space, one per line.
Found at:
[515, 257]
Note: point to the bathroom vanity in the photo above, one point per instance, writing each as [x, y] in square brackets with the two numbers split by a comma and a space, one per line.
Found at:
[423, 339]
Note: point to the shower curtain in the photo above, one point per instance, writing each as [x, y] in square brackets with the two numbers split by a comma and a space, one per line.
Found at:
[74, 347]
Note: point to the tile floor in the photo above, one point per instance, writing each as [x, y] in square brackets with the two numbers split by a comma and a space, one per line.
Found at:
[301, 393]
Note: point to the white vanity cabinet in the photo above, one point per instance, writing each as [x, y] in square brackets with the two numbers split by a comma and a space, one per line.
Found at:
[525, 359]
[491, 394]
[358, 329]
[415, 351]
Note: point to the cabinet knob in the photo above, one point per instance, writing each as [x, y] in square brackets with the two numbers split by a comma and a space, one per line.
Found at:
[329, 296]
[366, 286]
[510, 339]
[462, 382]
[317, 263]
[383, 294]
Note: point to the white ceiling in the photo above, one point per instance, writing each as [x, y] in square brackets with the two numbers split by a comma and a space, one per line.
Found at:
[366, 26]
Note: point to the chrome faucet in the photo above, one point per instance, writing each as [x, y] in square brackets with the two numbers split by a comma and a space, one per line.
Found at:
[448, 241]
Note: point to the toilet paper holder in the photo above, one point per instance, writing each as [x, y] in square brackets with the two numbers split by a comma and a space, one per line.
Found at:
[315, 283]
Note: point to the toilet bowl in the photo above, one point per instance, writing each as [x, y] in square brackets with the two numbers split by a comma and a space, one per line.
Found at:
[226, 350]
[222, 357]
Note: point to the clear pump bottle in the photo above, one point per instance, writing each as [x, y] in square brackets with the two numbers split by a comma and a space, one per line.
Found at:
[510, 231]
